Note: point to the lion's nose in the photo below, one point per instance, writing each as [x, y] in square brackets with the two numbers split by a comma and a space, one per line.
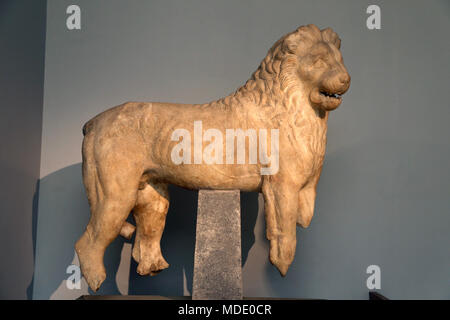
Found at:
[344, 79]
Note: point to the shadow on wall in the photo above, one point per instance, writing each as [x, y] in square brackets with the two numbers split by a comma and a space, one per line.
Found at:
[63, 216]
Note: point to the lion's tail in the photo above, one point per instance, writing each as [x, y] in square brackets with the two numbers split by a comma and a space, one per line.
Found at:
[90, 177]
[89, 169]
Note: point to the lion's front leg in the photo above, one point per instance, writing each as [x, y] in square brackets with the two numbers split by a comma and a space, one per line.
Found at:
[307, 198]
[281, 211]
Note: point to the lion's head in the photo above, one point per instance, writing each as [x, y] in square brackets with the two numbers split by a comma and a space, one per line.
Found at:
[321, 67]
[307, 60]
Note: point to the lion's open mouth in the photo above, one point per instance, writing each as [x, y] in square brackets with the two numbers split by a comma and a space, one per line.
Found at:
[325, 99]
[330, 95]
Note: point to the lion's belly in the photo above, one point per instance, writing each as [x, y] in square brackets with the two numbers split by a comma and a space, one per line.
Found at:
[203, 176]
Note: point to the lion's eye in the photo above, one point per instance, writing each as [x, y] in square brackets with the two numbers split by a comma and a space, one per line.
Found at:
[320, 63]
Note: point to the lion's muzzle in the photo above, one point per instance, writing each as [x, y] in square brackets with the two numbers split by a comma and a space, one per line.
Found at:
[328, 95]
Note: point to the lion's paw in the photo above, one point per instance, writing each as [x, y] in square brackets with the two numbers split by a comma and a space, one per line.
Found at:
[281, 253]
[152, 266]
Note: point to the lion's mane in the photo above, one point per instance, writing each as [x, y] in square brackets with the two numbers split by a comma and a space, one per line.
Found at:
[276, 77]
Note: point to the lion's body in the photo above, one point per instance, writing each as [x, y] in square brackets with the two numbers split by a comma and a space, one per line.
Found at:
[128, 161]
[147, 128]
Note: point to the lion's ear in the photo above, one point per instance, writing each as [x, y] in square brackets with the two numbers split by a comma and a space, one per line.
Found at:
[338, 43]
[330, 36]
[290, 43]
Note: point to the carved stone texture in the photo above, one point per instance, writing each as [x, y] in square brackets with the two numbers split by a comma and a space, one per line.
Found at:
[132, 152]
[217, 262]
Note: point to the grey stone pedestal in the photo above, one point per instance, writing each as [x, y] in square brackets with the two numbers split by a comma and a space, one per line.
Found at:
[217, 261]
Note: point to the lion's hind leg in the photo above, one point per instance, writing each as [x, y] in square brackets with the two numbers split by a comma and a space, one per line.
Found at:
[112, 192]
[150, 214]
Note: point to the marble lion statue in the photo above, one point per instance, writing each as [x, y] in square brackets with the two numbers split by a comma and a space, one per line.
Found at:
[128, 153]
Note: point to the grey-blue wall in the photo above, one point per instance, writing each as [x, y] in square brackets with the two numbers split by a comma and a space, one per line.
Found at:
[383, 198]
[22, 43]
